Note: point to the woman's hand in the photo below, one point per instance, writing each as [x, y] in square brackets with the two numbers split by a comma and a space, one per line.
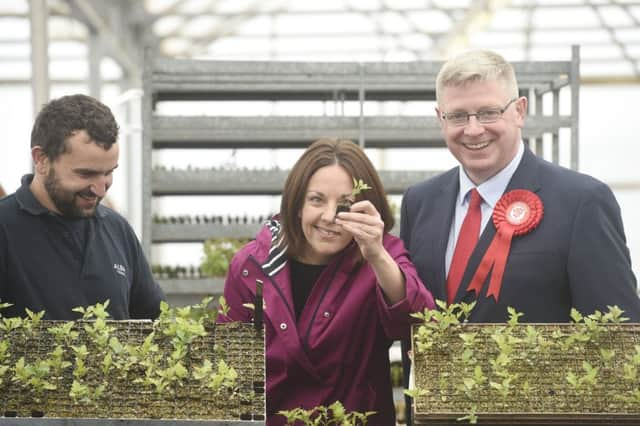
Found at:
[365, 224]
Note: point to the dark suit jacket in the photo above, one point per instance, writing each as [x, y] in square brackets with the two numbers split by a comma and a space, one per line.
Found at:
[576, 257]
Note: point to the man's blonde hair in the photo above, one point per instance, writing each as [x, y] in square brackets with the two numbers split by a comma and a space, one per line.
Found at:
[477, 65]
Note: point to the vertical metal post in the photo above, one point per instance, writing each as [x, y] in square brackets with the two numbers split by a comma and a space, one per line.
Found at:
[555, 136]
[574, 78]
[539, 140]
[95, 56]
[338, 110]
[38, 15]
[361, 95]
[529, 94]
[129, 104]
[147, 140]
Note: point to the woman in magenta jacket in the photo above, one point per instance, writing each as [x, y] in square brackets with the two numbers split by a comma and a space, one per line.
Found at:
[338, 289]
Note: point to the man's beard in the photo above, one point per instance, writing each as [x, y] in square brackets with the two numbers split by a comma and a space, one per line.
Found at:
[65, 201]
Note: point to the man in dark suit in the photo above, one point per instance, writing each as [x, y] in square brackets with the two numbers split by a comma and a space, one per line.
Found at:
[562, 240]
[573, 255]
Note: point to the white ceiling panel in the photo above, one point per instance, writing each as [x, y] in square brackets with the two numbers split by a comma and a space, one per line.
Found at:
[607, 30]
[615, 15]
[167, 25]
[431, 21]
[566, 16]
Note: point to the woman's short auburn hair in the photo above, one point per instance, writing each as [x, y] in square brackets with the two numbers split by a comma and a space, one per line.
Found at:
[322, 153]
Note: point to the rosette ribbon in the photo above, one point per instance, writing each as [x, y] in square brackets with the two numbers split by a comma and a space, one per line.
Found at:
[517, 212]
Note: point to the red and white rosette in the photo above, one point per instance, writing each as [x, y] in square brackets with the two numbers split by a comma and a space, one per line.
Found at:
[517, 212]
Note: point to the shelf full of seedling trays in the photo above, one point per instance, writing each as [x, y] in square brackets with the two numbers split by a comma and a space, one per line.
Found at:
[180, 369]
[586, 372]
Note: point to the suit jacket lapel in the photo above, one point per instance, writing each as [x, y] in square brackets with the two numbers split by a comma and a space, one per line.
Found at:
[526, 175]
[447, 200]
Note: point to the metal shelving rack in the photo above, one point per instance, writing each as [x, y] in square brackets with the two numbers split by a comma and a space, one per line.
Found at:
[202, 80]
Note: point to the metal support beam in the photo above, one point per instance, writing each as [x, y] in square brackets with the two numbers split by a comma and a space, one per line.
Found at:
[88, 13]
[39, 54]
[476, 18]
[129, 104]
[95, 57]
[375, 8]
[613, 35]
[147, 142]
[574, 82]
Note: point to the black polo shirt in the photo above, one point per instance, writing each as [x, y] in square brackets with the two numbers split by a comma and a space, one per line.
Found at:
[54, 264]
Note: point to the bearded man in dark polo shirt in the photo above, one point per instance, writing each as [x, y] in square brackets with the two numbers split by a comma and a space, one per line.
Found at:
[59, 247]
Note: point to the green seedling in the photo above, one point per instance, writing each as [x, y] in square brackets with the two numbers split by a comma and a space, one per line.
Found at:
[4, 306]
[225, 378]
[63, 334]
[99, 310]
[585, 382]
[416, 392]
[471, 417]
[475, 381]
[332, 415]
[32, 321]
[436, 323]
[224, 307]
[514, 316]
[358, 187]
[9, 324]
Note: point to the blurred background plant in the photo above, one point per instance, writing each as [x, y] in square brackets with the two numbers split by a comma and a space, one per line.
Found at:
[218, 253]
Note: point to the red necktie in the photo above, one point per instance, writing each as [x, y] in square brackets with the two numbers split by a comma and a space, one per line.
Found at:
[467, 239]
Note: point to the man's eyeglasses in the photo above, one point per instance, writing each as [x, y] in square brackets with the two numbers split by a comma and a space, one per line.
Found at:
[485, 116]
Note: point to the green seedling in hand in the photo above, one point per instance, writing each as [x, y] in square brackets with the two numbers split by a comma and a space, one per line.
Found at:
[358, 187]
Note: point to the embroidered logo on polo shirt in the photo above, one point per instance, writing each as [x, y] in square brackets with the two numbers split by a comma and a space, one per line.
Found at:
[120, 269]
